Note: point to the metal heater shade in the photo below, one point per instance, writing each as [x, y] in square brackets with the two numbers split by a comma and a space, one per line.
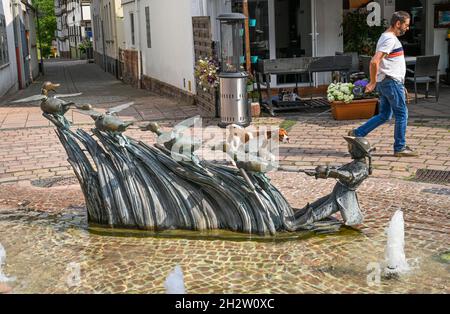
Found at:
[234, 108]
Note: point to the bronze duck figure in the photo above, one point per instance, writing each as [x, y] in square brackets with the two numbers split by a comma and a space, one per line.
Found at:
[53, 104]
[108, 121]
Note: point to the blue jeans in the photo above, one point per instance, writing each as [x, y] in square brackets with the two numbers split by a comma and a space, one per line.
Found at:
[392, 100]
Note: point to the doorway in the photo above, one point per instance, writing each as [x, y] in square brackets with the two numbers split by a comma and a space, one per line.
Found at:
[280, 29]
[293, 28]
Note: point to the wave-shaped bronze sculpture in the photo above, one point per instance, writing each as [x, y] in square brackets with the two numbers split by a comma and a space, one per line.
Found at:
[129, 184]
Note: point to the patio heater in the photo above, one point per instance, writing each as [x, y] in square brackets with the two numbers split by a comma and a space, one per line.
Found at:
[234, 108]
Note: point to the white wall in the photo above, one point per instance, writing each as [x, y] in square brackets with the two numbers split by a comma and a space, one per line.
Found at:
[119, 25]
[111, 13]
[171, 56]
[215, 8]
[127, 9]
[329, 20]
[440, 47]
[8, 72]
[33, 45]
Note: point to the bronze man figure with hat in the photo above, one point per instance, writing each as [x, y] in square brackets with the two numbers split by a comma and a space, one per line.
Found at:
[343, 198]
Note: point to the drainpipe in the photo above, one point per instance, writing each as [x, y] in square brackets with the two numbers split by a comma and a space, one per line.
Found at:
[116, 43]
[138, 37]
[41, 68]
[17, 41]
[204, 8]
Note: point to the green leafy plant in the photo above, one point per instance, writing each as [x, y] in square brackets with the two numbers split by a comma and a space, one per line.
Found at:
[358, 35]
[47, 24]
[287, 124]
[253, 95]
[84, 45]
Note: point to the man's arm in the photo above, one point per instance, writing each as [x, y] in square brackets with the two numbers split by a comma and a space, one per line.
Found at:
[374, 65]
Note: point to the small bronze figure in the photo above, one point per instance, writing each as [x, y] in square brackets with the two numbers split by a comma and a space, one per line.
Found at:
[108, 121]
[53, 104]
[170, 139]
[343, 198]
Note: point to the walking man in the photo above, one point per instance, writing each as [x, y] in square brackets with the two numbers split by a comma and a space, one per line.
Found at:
[387, 75]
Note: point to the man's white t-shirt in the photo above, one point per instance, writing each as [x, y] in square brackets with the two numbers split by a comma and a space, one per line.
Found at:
[393, 64]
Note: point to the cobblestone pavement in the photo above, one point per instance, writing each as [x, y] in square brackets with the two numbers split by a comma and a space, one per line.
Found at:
[35, 153]
[53, 231]
[29, 149]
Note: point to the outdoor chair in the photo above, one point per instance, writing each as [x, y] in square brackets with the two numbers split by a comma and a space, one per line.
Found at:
[426, 71]
[355, 72]
[355, 60]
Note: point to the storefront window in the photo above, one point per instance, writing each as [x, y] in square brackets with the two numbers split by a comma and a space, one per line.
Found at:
[414, 40]
[258, 11]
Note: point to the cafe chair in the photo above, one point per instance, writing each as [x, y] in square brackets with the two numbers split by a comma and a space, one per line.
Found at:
[355, 61]
[426, 71]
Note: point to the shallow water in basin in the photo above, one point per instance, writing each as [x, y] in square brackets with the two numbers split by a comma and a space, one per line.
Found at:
[59, 253]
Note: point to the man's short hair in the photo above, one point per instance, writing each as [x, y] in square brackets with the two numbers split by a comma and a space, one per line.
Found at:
[399, 16]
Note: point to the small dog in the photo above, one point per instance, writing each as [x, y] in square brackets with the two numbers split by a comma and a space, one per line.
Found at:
[239, 137]
[244, 136]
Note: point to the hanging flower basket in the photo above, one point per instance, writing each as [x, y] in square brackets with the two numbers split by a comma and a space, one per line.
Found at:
[206, 73]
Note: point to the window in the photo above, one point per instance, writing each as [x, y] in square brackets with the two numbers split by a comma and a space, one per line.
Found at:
[147, 24]
[4, 57]
[132, 27]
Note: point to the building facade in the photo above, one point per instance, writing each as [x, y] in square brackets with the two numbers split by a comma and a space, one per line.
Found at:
[159, 45]
[62, 30]
[158, 50]
[8, 66]
[79, 25]
[159, 34]
[18, 52]
[74, 28]
[108, 39]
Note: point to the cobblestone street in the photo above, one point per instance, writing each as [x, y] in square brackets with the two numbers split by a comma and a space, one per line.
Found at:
[43, 210]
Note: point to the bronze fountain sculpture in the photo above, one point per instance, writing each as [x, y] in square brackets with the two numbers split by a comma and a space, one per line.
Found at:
[133, 185]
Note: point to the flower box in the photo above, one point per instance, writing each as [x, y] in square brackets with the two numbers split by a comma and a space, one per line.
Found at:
[357, 109]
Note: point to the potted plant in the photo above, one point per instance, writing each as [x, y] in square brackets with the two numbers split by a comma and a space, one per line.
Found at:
[83, 47]
[348, 101]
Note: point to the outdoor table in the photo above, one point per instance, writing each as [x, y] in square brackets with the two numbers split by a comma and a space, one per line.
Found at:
[410, 60]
